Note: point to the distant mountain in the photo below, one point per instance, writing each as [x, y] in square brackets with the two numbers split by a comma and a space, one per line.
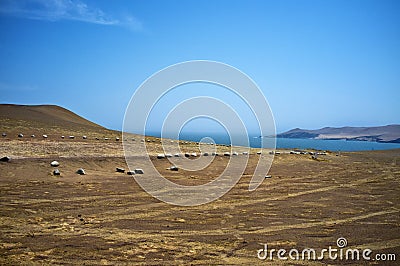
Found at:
[46, 119]
[389, 133]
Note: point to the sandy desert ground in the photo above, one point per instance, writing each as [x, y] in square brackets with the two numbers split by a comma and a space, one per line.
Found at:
[105, 218]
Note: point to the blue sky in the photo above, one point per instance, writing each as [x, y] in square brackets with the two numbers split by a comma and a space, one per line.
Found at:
[319, 63]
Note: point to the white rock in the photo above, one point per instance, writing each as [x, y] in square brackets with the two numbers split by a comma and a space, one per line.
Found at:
[54, 163]
[139, 171]
[81, 171]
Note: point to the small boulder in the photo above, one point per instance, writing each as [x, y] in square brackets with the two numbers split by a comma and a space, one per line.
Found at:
[205, 154]
[187, 154]
[168, 155]
[45, 136]
[4, 135]
[130, 172]
[116, 139]
[139, 171]
[160, 156]
[63, 137]
[20, 135]
[54, 163]
[81, 171]
[177, 155]
[71, 137]
[245, 153]
[194, 154]
[120, 170]
[268, 176]
[235, 153]
[56, 172]
[84, 137]
[227, 154]
[174, 168]
[5, 159]
[32, 136]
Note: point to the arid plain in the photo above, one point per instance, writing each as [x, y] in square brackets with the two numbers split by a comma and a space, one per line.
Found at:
[104, 217]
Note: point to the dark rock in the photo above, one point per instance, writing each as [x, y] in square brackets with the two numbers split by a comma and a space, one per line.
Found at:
[120, 170]
[130, 172]
[56, 172]
[4, 135]
[81, 171]
[5, 159]
[139, 171]
[174, 168]
[20, 135]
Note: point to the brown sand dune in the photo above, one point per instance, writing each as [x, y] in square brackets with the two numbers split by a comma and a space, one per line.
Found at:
[51, 120]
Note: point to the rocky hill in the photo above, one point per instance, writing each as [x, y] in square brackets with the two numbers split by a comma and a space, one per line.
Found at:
[389, 133]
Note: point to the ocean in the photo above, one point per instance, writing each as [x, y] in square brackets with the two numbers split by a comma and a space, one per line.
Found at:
[286, 143]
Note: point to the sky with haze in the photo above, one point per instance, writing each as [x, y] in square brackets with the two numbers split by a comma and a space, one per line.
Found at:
[319, 63]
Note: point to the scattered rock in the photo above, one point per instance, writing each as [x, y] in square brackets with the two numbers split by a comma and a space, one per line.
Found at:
[54, 163]
[20, 135]
[174, 168]
[160, 156]
[139, 171]
[120, 170]
[56, 172]
[81, 171]
[130, 173]
[5, 159]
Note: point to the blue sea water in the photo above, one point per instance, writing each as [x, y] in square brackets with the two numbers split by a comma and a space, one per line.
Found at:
[286, 143]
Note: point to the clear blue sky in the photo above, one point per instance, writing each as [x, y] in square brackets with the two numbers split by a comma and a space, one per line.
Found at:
[319, 63]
